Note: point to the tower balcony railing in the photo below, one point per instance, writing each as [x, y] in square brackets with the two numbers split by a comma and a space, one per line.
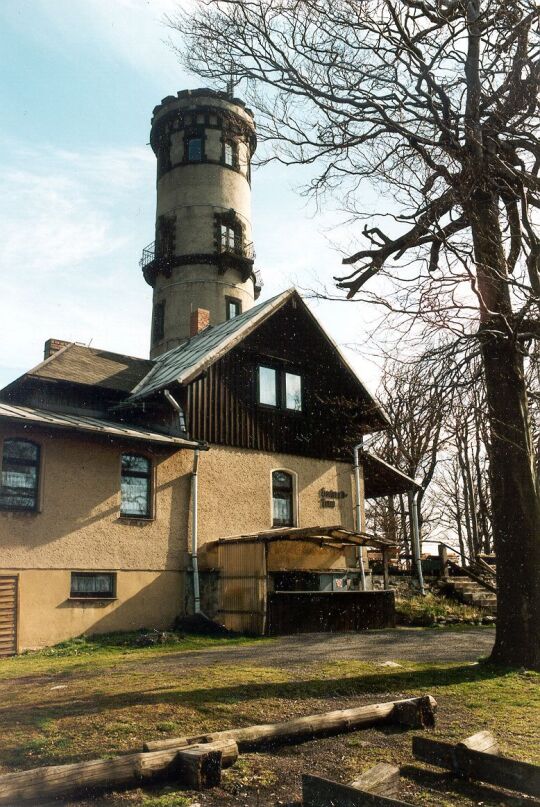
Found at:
[246, 251]
[242, 251]
[148, 255]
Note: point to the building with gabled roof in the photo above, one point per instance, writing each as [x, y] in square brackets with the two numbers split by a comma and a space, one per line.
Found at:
[124, 480]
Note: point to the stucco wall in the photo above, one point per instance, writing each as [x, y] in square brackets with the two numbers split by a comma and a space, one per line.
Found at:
[235, 491]
[47, 615]
[78, 525]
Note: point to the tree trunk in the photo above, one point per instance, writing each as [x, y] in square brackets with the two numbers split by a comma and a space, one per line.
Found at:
[515, 496]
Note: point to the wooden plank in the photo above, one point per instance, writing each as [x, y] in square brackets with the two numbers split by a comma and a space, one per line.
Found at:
[382, 780]
[325, 723]
[319, 792]
[485, 767]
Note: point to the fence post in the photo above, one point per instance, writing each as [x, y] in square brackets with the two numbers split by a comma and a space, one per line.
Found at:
[443, 557]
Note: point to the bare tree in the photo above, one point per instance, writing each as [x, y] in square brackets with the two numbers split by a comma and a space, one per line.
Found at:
[435, 103]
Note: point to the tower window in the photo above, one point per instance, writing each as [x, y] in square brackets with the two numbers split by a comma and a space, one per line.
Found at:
[135, 486]
[158, 324]
[194, 149]
[20, 475]
[229, 238]
[234, 307]
[229, 153]
[282, 499]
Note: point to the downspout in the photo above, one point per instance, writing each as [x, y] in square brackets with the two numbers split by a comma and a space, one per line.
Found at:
[358, 508]
[413, 511]
[194, 505]
[194, 531]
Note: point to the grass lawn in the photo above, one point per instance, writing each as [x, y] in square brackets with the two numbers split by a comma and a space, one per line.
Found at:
[92, 699]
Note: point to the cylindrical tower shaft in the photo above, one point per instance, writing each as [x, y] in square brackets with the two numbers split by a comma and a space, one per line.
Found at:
[203, 254]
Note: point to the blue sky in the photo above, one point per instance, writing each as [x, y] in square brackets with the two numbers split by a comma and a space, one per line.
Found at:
[77, 200]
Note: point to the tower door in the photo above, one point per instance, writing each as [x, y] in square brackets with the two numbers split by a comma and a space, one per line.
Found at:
[8, 614]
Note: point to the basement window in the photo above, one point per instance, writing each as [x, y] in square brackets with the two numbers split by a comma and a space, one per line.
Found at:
[135, 487]
[93, 585]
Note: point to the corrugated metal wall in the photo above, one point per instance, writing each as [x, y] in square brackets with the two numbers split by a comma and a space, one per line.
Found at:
[242, 587]
[8, 615]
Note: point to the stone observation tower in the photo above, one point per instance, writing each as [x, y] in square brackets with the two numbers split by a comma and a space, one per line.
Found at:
[201, 264]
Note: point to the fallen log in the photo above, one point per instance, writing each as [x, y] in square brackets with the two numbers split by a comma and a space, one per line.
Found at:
[319, 792]
[413, 712]
[196, 767]
[478, 758]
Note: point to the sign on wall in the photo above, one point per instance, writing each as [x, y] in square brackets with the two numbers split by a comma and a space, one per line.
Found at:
[328, 498]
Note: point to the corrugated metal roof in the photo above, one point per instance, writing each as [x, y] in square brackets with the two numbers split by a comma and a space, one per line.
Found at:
[42, 417]
[192, 356]
[383, 479]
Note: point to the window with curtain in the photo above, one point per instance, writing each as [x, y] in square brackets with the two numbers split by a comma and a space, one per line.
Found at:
[93, 584]
[282, 499]
[20, 475]
[135, 486]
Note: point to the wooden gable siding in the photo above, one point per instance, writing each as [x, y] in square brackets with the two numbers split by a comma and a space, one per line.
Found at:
[221, 406]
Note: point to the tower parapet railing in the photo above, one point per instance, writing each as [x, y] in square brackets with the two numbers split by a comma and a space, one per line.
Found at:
[148, 255]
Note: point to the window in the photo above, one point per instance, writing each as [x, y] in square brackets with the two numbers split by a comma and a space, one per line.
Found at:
[194, 149]
[135, 486]
[229, 153]
[279, 388]
[229, 237]
[20, 475]
[234, 307]
[93, 585]
[158, 324]
[268, 386]
[282, 499]
[293, 392]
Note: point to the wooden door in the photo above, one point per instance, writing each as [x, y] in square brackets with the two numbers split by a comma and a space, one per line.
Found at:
[8, 614]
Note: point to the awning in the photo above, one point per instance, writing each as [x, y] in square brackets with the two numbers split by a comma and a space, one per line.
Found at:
[323, 535]
[25, 415]
[383, 479]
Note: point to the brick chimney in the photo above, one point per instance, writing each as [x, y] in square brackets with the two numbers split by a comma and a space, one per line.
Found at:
[199, 321]
[53, 346]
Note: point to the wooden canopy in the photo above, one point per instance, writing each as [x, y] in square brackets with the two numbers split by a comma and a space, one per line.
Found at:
[325, 535]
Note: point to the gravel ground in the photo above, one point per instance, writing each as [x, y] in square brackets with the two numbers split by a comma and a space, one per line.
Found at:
[406, 644]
